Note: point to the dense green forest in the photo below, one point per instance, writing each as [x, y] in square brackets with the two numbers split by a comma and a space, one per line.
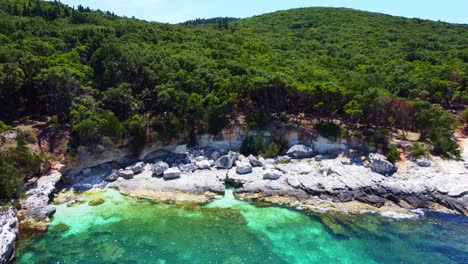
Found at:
[108, 79]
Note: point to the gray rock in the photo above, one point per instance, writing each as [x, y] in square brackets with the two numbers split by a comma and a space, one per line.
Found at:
[300, 152]
[225, 162]
[200, 158]
[254, 161]
[318, 158]
[233, 155]
[126, 174]
[180, 150]
[172, 174]
[215, 155]
[112, 177]
[203, 165]
[283, 159]
[138, 168]
[187, 168]
[268, 164]
[272, 175]
[424, 162]
[381, 165]
[8, 234]
[243, 168]
[159, 168]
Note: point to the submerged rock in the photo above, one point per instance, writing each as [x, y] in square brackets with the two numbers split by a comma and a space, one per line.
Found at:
[380, 164]
[172, 174]
[96, 202]
[300, 152]
[159, 168]
[225, 162]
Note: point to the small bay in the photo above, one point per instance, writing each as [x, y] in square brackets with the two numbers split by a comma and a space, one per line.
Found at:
[126, 230]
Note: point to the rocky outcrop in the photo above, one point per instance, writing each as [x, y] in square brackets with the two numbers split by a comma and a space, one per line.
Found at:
[300, 152]
[8, 234]
[36, 205]
[381, 165]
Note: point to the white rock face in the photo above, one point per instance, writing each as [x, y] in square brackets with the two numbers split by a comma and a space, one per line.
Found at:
[159, 168]
[300, 152]
[172, 174]
[243, 168]
[203, 165]
[381, 165]
[272, 175]
[8, 234]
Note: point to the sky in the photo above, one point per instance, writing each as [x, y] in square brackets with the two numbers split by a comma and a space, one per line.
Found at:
[175, 11]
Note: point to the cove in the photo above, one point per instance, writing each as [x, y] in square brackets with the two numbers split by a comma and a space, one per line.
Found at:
[126, 230]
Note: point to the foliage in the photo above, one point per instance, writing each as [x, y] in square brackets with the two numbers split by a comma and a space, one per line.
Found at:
[464, 116]
[3, 126]
[137, 131]
[329, 130]
[393, 155]
[380, 139]
[272, 151]
[15, 166]
[417, 150]
[96, 71]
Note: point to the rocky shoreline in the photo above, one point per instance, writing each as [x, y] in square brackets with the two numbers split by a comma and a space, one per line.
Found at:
[347, 182]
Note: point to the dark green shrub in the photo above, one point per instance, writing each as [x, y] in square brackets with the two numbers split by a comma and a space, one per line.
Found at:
[330, 130]
[272, 151]
[393, 155]
[417, 151]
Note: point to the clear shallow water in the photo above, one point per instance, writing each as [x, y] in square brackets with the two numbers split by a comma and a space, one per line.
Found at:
[125, 230]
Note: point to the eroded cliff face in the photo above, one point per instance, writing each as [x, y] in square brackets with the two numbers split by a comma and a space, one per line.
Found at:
[228, 139]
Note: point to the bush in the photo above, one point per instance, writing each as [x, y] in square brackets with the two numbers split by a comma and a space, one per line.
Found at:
[329, 130]
[137, 131]
[417, 151]
[247, 146]
[393, 154]
[259, 145]
[272, 151]
[3, 127]
[380, 139]
[464, 116]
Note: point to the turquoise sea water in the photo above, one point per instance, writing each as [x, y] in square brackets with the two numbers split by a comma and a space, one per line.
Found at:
[125, 230]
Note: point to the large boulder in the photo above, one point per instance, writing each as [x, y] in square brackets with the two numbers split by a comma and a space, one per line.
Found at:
[138, 168]
[126, 174]
[380, 164]
[233, 155]
[8, 234]
[300, 152]
[225, 162]
[272, 175]
[254, 161]
[243, 168]
[203, 165]
[159, 168]
[172, 174]
[268, 164]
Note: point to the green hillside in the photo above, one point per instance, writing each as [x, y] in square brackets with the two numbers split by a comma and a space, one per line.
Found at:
[107, 79]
